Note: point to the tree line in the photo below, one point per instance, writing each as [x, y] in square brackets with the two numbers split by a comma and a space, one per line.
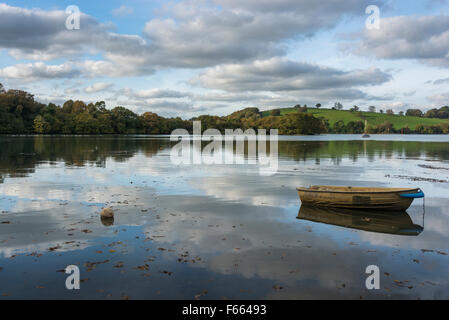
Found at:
[20, 113]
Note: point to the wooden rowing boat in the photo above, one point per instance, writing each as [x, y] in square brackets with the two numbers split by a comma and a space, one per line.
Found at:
[390, 222]
[395, 199]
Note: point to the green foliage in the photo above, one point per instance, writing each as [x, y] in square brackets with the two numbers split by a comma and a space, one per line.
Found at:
[302, 109]
[40, 126]
[245, 113]
[17, 111]
[414, 113]
[21, 114]
[375, 120]
[433, 129]
[301, 123]
[385, 127]
[125, 121]
[442, 113]
[355, 127]
[339, 127]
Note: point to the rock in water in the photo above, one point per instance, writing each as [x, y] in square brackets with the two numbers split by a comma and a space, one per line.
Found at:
[107, 213]
[107, 222]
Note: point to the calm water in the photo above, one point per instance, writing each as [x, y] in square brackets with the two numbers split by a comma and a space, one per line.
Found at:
[216, 232]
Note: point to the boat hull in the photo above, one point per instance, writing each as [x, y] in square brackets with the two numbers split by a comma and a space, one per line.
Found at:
[358, 198]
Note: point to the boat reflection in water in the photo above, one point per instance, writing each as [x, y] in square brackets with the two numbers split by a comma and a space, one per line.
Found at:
[391, 222]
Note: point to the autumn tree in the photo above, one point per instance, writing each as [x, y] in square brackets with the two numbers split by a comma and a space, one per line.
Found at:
[79, 107]
[67, 106]
[355, 127]
[441, 113]
[125, 121]
[41, 126]
[414, 113]
[152, 123]
[86, 124]
[301, 123]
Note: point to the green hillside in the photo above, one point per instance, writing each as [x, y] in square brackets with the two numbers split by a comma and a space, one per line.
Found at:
[373, 118]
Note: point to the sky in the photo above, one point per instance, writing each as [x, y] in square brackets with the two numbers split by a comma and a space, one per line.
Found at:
[190, 57]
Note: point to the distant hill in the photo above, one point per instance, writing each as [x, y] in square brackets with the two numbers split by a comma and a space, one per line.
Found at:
[373, 118]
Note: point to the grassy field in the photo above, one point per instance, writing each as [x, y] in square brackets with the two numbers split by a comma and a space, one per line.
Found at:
[373, 118]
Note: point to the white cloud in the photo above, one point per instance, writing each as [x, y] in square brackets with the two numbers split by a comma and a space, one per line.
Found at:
[99, 86]
[124, 68]
[424, 38]
[42, 35]
[39, 70]
[280, 74]
[154, 93]
[212, 36]
[441, 81]
[237, 31]
[293, 80]
[241, 42]
[441, 99]
[71, 91]
[123, 11]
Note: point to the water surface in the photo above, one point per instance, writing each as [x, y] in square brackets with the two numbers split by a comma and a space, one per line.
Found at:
[217, 231]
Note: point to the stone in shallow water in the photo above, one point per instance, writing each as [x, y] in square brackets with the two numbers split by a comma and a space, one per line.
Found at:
[107, 213]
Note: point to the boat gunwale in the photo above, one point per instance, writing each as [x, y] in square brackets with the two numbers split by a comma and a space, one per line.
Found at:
[358, 192]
